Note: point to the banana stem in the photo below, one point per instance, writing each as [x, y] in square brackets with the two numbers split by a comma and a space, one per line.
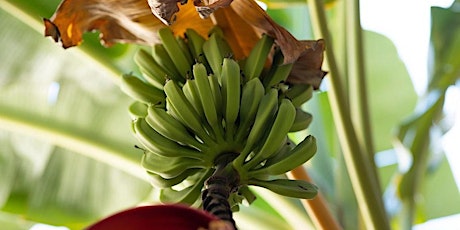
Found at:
[316, 208]
[219, 186]
[362, 177]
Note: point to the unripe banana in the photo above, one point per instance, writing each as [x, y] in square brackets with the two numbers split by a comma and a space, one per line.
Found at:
[195, 43]
[187, 195]
[162, 58]
[159, 182]
[296, 157]
[252, 94]
[207, 100]
[137, 110]
[278, 131]
[185, 112]
[255, 62]
[168, 126]
[160, 145]
[278, 71]
[292, 188]
[231, 80]
[215, 50]
[216, 93]
[267, 108]
[302, 120]
[299, 94]
[185, 49]
[175, 51]
[190, 90]
[141, 91]
[152, 72]
[169, 167]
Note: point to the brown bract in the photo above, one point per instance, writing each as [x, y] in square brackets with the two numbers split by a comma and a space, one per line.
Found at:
[137, 21]
[307, 69]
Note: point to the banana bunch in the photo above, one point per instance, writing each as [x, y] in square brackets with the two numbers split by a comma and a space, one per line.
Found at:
[195, 103]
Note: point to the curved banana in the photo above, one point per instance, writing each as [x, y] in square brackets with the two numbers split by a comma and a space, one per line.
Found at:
[255, 62]
[187, 195]
[302, 120]
[141, 91]
[278, 131]
[174, 50]
[299, 94]
[185, 49]
[231, 90]
[195, 43]
[160, 145]
[215, 49]
[169, 167]
[293, 188]
[190, 90]
[159, 182]
[137, 110]
[168, 126]
[305, 150]
[216, 93]
[267, 109]
[278, 71]
[207, 100]
[162, 58]
[252, 94]
[178, 104]
[152, 72]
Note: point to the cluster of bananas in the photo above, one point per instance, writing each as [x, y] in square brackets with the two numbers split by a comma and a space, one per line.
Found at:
[195, 104]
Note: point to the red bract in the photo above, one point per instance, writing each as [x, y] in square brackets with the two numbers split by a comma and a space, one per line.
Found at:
[170, 217]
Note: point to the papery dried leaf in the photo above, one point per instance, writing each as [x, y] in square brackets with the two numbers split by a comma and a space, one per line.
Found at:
[307, 69]
[129, 21]
[187, 17]
[165, 10]
[205, 10]
[255, 16]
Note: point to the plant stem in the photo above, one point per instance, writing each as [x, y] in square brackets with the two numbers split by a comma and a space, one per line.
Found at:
[362, 178]
[316, 208]
[219, 186]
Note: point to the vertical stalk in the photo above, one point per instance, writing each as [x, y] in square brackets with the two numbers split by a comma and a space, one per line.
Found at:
[362, 178]
[359, 106]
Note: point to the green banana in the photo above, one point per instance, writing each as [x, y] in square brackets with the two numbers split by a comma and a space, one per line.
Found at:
[305, 150]
[292, 188]
[278, 71]
[255, 62]
[216, 93]
[162, 58]
[299, 94]
[169, 167]
[266, 110]
[278, 131]
[160, 145]
[152, 72]
[185, 49]
[141, 91]
[215, 50]
[231, 90]
[195, 43]
[302, 120]
[184, 110]
[252, 94]
[175, 51]
[137, 110]
[190, 90]
[187, 195]
[207, 99]
[168, 126]
[159, 182]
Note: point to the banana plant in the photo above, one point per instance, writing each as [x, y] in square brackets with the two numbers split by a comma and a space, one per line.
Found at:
[42, 189]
